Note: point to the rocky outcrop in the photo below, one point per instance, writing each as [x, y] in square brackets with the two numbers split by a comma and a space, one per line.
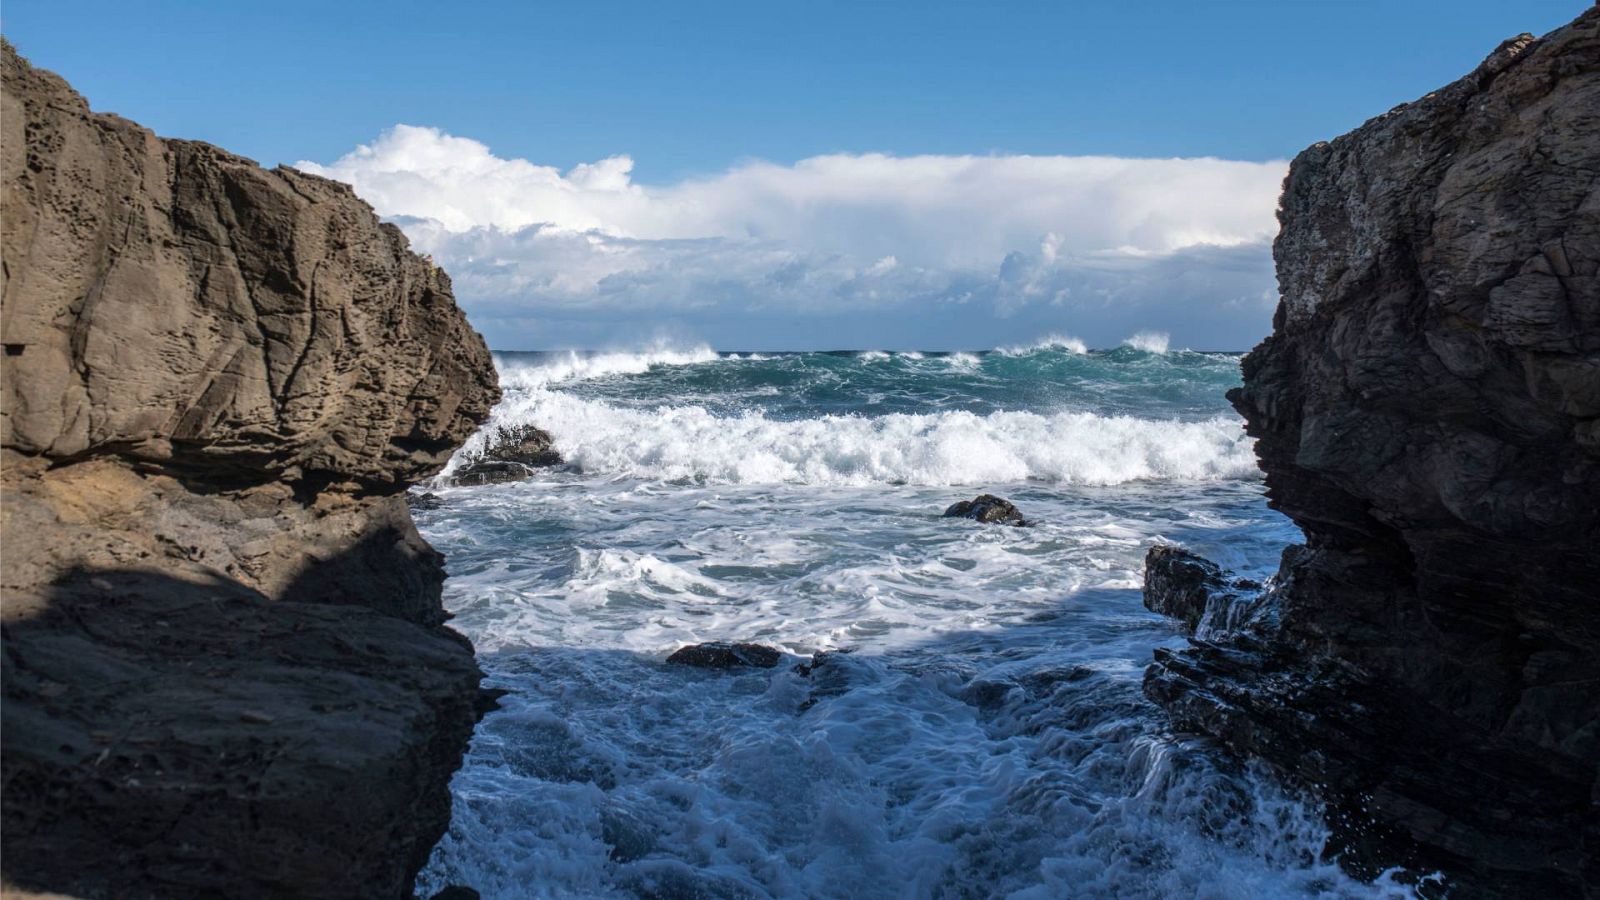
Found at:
[720, 655]
[512, 455]
[225, 666]
[1194, 590]
[986, 508]
[1427, 409]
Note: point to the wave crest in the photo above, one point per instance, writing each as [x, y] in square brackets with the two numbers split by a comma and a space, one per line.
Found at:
[948, 448]
[1149, 341]
[573, 366]
[1049, 342]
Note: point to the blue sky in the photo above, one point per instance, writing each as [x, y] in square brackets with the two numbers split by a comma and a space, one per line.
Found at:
[670, 109]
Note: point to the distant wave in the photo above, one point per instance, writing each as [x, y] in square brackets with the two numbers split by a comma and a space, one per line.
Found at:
[1050, 342]
[1149, 341]
[573, 366]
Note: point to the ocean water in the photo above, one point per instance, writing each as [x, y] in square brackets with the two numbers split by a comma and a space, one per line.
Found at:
[981, 732]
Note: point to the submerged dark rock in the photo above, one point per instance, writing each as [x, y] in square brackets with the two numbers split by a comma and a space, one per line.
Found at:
[1426, 411]
[225, 666]
[424, 501]
[719, 655]
[491, 472]
[986, 508]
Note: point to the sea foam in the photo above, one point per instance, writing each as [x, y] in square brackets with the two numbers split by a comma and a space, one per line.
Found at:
[691, 442]
[955, 448]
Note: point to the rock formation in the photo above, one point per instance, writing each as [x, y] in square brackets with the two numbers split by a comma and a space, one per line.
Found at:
[721, 655]
[512, 455]
[1194, 590]
[225, 666]
[986, 508]
[1428, 411]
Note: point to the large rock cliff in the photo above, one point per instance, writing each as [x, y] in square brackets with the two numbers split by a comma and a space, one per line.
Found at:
[225, 665]
[1428, 411]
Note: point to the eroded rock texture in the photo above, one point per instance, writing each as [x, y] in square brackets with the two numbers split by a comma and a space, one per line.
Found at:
[1428, 411]
[225, 666]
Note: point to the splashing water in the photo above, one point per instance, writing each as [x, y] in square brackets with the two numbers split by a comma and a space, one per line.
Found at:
[1149, 341]
[986, 735]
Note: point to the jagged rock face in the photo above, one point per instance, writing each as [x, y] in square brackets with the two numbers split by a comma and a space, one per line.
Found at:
[1192, 589]
[1428, 411]
[225, 669]
[171, 302]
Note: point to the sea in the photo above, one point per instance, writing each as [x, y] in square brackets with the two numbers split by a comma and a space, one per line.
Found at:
[958, 711]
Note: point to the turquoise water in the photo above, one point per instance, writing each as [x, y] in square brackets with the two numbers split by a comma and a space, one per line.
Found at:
[985, 735]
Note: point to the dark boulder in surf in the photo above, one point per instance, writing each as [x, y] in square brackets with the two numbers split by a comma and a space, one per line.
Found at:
[512, 454]
[986, 508]
[424, 501]
[720, 655]
[526, 444]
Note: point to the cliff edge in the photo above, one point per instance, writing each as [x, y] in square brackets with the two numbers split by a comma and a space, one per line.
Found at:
[1427, 410]
[225, 665]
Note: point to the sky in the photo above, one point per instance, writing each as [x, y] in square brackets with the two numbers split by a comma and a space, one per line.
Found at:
[753, 175]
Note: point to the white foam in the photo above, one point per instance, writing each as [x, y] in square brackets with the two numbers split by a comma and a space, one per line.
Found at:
[1149, 341]
[954, 448]
[1049, 342]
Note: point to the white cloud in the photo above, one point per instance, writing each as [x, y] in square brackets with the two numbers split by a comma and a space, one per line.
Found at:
[1095, 244]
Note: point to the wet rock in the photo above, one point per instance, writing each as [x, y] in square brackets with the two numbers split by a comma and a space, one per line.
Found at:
[820, 659]
[456, 892]
[424, 501]
[986, 508]
[719, 655]
[1195, 590]
[511, 454]
[491, 472]
[525, 444]
[225, 670]
[1179, 584]
[1422, 412]
[988, 694]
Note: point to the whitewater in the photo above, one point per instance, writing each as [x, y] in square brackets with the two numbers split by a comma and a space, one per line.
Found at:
[974, 725]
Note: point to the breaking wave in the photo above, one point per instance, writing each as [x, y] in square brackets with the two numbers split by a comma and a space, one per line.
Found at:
[955, 448]
[1149, 341]
[697, 443]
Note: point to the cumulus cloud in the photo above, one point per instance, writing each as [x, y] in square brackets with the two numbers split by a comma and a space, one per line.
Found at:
[986, 245]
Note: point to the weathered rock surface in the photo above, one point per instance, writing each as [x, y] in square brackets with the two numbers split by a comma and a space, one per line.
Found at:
[1427, 410]
[512, 454]
[986, 508]
[720, 655]
[1191, 588]
[225, 666]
